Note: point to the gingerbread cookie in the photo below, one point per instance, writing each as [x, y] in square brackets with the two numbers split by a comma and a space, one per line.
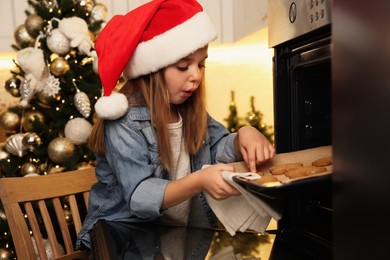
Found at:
[267, 178]
[304, 171]
[283, 168]
[324, 161]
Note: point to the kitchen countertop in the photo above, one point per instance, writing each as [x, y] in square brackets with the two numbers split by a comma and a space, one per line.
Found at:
[124, 240]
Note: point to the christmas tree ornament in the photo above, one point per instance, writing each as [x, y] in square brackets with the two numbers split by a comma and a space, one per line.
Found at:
[22, 38]
[76, 29]
[78, 130]
[14, 145]
[99, 13]
[33, 24]
[83, 165]
[42, 167]
[31, 141]
[32, 62]
[3, 154]
[2, 215]
[56, 169]
[57, 42]
[10, 121]
[29, 168]
[5, 254]
[87, 4]
[60, 149]
[82, 103]
[44, 99]
[12, 86]
[59, 67]
[52, 87]
[50, 5]
[48, 248]
[30, 118]
[27, 92]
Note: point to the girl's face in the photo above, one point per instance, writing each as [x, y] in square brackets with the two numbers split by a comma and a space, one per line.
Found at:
[183, 77]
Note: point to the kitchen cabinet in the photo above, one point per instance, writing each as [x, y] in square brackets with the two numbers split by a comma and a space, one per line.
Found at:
[233, 19]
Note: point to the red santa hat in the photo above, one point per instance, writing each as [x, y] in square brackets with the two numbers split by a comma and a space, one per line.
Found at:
[148, 38]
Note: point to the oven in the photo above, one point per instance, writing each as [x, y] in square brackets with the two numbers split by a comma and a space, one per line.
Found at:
[300, 35]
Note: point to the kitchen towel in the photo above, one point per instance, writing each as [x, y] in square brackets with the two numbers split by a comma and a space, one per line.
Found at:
[243, 212]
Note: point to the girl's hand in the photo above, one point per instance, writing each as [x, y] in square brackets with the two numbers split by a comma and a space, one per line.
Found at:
[253, 146]
[212, 182]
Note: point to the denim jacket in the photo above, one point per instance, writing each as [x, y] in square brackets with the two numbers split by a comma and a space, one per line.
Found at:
[131, 180]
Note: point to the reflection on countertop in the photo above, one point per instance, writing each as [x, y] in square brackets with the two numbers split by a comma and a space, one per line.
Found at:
[241, 246]
[123, 240]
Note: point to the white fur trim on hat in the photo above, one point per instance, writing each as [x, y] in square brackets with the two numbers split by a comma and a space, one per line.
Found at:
[171, 46]
[112, 107]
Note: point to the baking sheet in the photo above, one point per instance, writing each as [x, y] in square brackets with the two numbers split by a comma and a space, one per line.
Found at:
[306, 157]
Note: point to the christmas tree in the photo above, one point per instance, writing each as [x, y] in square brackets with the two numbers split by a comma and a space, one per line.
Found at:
[232, 119]
[55, 78]
[253, 118]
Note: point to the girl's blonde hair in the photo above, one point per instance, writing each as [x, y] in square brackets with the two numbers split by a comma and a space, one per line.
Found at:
[154, 94]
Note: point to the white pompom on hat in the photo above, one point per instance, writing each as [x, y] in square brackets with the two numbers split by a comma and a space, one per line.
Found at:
[148, 38]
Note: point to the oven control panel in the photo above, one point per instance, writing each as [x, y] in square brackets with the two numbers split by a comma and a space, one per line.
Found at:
[317, 12]
[289, 19]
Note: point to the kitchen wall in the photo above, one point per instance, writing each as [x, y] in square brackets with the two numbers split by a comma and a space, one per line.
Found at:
[245, 67]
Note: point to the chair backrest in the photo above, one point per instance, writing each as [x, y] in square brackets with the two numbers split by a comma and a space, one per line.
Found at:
[34, 207]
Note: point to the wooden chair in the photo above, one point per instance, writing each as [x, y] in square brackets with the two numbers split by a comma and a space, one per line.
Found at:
[29, 201]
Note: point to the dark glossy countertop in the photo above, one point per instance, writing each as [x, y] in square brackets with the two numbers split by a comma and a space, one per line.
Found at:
[122, 240]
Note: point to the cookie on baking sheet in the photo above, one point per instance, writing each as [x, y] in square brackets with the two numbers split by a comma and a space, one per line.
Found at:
[324, 161]
[283, 168]
[267, 179]
[296, 172]
[304, 171]
[311, 170]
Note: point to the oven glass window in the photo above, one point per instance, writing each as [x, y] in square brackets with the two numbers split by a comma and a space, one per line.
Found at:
[311, 103]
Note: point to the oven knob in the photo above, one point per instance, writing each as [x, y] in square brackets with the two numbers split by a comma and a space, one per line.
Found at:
[292, 12]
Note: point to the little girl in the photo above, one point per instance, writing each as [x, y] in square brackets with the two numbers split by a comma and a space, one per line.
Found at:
[154, 135]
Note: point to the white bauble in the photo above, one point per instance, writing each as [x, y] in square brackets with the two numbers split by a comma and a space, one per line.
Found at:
[57, 42]
[78, 130]
[99, 13]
